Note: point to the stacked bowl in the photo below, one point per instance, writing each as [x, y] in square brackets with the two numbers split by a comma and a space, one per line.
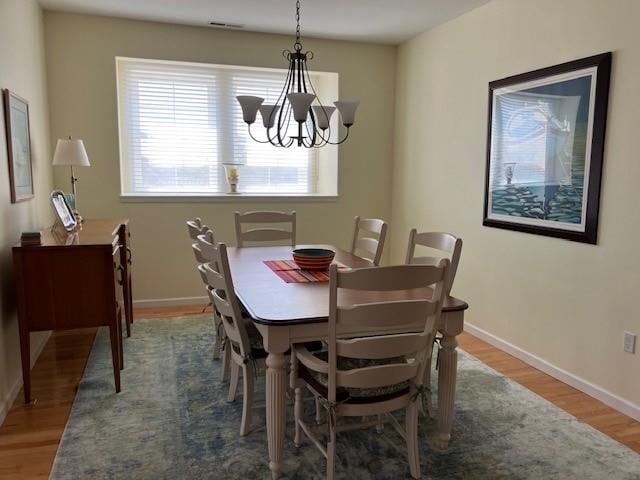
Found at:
[313, 258]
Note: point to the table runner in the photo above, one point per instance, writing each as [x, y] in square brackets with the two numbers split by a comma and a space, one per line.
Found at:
[288, 271]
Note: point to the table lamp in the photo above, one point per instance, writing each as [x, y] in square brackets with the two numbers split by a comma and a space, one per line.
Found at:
[71, 152]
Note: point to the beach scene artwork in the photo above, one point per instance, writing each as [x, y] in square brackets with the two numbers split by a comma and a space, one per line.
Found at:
[545, 149]
[539, 152]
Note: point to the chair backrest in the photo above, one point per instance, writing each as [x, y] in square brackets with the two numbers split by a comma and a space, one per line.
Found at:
[445, 242]
[370, 244]
[194, 228]
[206, 251]
[222, 294]
[390, 314]
[265, 234]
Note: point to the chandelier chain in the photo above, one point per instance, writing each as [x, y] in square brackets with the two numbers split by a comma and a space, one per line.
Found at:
[298, 45]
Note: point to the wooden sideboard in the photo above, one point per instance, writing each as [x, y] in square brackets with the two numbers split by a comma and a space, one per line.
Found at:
[72, 281]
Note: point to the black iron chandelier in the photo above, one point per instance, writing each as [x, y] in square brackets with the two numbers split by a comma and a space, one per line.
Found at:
[311, 126]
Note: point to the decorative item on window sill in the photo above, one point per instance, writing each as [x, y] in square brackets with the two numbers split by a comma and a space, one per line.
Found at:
[71, 152]
[312, 122]
[231, 171]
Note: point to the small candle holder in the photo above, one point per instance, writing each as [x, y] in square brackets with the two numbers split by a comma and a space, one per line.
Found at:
[232, 173]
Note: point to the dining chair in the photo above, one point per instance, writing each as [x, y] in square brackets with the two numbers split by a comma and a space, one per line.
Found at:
[205, 250]
[452, 246]
[196, 228]
[371, 375]
[243, 341]
[261, 234]
[368, 239]
[445, 242]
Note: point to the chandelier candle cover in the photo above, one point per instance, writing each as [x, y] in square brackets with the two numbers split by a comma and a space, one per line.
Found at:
[298, 94]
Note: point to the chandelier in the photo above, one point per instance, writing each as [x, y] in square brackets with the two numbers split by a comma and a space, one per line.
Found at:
[311, 125]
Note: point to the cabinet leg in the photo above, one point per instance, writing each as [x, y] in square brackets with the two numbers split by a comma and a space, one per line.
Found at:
[25, 355]
[114, 336]
[128, 310]
[121, 340]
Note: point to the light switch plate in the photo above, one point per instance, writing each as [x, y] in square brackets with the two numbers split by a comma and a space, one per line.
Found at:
[629, 342]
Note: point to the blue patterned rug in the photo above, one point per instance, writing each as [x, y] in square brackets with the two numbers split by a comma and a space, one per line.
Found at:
[171, 421]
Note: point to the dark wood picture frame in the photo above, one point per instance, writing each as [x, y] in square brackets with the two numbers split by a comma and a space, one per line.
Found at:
[17, 195]
[597, 115]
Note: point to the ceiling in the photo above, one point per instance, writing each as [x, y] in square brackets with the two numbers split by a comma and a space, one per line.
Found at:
[380, 21]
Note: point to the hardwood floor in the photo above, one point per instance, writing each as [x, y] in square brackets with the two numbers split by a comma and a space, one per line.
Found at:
[30, 435]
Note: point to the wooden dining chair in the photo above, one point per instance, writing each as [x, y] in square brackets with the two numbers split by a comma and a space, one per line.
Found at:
[243, 342]
[263, 234]
[452, 247]
[368, 239]
[371, 375]
[445, 242]
[196, 228]
[206, 251]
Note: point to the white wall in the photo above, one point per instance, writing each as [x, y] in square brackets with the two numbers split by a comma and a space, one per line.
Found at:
[22, 71]
[565, 302]
[82, 86]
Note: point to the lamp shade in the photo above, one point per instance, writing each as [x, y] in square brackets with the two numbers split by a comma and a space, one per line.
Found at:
[347, 109]
[269, 114]
[300, 102]
[71, 152]
[323, 115]
[249, 105]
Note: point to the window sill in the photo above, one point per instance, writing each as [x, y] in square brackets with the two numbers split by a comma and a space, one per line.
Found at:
[226, 197]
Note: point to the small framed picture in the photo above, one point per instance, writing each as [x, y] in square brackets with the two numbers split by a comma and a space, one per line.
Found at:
[16, 113]
[545, 149]
[63, 211]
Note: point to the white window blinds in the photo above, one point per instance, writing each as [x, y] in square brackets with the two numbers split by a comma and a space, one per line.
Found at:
[180, 122]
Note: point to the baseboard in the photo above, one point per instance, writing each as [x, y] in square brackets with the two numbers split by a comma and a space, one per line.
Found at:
[170, 302]
[10, 397]
[624, 406]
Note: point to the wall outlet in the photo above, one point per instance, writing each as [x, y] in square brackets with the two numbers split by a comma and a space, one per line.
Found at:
[629, 342]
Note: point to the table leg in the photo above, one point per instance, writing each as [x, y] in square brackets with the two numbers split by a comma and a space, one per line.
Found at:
[447, 371]
[276, 390]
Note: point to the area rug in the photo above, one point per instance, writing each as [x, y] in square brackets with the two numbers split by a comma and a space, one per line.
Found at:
[171, 421]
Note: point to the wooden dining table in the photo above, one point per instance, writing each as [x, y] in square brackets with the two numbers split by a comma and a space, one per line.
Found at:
[288, 313]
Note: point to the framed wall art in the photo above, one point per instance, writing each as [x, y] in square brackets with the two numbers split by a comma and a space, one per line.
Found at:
[545, 148]
[16, 112]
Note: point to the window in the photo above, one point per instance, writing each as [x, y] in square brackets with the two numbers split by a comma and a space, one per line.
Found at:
[179, 122]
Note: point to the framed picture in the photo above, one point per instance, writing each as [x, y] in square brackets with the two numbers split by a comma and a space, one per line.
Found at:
[64, 213]
[545, 147]
[16, 113]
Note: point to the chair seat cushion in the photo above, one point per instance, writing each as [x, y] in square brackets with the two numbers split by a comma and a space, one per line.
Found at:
[319, 381]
